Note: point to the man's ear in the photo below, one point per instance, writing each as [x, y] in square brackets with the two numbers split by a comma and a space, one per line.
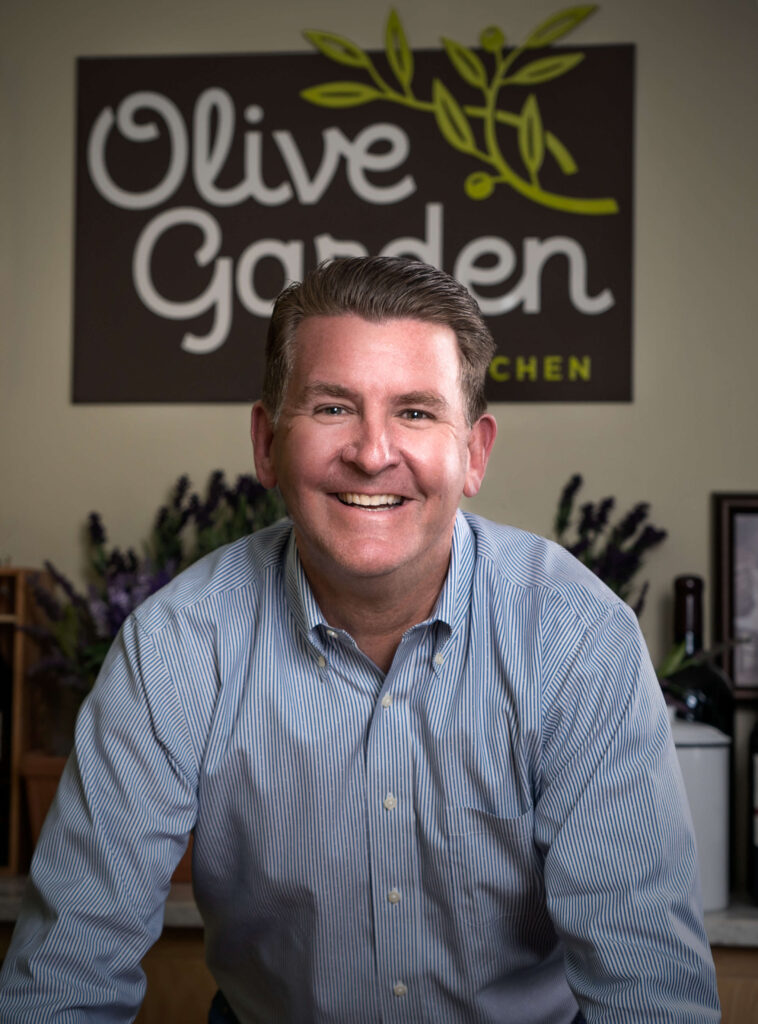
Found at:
[262, 436]
[480, 442]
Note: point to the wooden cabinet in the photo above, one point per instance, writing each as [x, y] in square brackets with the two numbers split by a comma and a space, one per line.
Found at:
[737, 973]
[32, 711]
[179, 985]
[17, 653]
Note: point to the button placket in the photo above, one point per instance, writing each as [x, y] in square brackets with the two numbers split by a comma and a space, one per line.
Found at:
[391, 825]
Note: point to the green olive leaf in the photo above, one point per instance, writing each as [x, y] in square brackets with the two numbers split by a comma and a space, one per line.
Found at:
[544, 69]
[340, 94]
[560, 154]
[531, 135]
[399, 53]
[451, 120]
[339, 49]
[673, 661]
[558, 25]
[466, 63]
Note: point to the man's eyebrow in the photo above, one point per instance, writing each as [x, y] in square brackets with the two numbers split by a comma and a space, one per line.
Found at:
[427, 399]
[325, 389]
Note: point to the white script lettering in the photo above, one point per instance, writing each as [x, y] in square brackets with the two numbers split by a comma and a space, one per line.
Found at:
[290, 255]
[213, 132]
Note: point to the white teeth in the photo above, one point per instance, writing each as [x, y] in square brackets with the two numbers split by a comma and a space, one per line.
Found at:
[370, 500]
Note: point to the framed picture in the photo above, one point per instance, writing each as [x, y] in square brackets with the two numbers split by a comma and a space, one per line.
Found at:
[735, 525]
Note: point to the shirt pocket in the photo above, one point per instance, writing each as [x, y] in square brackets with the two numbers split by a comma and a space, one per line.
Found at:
[496, 879]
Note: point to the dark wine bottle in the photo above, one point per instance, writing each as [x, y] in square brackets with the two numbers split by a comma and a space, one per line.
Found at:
[701, 686]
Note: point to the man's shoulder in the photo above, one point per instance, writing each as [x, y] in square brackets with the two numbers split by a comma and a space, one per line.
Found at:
[241, 566]
[525, 561]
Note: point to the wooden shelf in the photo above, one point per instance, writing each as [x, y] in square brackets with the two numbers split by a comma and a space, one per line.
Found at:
[18, 652]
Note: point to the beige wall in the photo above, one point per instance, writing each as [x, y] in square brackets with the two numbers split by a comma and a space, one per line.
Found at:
[692, 426]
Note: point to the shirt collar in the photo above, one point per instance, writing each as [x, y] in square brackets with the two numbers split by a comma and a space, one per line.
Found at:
[300, 599]
[452, 604]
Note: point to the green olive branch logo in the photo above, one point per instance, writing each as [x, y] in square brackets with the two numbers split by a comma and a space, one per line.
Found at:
[456, 122]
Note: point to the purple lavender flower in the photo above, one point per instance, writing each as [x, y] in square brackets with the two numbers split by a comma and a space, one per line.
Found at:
[47, 601]
[649, 538]
[603, 513]
[65, 584]
[98, 610]
[614, 553]
[639, 604]
[79, 628]
[180, 490]
[587, 521]
[216, 489]
[631, 521]
[96, 529]
[566, 504]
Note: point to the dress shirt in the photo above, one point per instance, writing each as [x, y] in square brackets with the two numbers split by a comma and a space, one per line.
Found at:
[495, 830]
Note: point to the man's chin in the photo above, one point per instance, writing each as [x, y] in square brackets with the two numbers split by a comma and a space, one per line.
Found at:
[358, 563]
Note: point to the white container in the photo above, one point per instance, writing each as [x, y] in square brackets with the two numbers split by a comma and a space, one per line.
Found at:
[704, 758]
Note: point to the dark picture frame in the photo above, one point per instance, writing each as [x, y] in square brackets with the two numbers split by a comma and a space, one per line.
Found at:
[735, 564]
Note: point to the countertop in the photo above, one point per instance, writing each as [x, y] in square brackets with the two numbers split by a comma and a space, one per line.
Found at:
[735, 926]
[181, 911]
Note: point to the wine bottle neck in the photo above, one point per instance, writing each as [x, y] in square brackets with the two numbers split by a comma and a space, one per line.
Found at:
[688, 614]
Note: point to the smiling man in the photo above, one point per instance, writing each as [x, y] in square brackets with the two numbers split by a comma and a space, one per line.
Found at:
[425, 757]
[372, 448]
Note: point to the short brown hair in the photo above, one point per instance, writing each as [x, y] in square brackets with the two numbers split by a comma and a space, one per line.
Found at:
[379, 288]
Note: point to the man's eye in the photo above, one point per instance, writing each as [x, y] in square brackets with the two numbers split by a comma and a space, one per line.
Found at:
[331, 410]
[415, 414]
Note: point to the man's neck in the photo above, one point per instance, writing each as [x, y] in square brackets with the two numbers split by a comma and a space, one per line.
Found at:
[377, 613]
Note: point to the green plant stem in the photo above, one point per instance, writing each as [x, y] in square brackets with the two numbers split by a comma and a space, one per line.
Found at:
[529, 189]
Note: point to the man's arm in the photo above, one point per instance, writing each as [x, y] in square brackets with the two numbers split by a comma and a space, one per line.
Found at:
[103, 865]
[620, 864]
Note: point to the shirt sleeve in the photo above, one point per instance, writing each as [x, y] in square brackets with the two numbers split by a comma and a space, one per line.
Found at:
[102, 868]
[613, 823]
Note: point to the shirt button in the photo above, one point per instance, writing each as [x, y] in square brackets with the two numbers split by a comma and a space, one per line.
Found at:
[387, 700]
[321, 661]
[331, 633]
[399, 988]
[390, 802]
[439, 658]
[393, 896]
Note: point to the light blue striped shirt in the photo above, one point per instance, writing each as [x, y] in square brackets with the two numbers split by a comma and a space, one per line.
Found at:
[493, 831]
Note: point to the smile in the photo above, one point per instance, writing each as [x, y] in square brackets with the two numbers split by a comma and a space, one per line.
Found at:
[370, 500]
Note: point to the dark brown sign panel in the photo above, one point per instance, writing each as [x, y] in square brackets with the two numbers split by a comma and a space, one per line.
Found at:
[205, 184]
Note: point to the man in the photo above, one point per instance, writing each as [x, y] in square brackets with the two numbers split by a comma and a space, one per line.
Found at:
[425, 757]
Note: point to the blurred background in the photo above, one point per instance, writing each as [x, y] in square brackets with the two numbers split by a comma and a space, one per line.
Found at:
[692, 426]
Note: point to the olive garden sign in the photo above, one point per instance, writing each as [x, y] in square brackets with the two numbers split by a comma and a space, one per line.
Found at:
[205, 184]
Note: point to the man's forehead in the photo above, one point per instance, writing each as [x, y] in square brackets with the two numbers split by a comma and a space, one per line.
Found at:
[313, 320]
[318, 338]
[319, 328]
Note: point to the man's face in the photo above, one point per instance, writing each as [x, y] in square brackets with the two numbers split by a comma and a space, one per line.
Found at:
[372, 450]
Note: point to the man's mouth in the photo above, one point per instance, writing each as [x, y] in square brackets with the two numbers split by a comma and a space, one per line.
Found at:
[370, 500]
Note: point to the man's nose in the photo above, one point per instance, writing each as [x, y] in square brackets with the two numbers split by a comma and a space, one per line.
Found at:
[371, 448]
